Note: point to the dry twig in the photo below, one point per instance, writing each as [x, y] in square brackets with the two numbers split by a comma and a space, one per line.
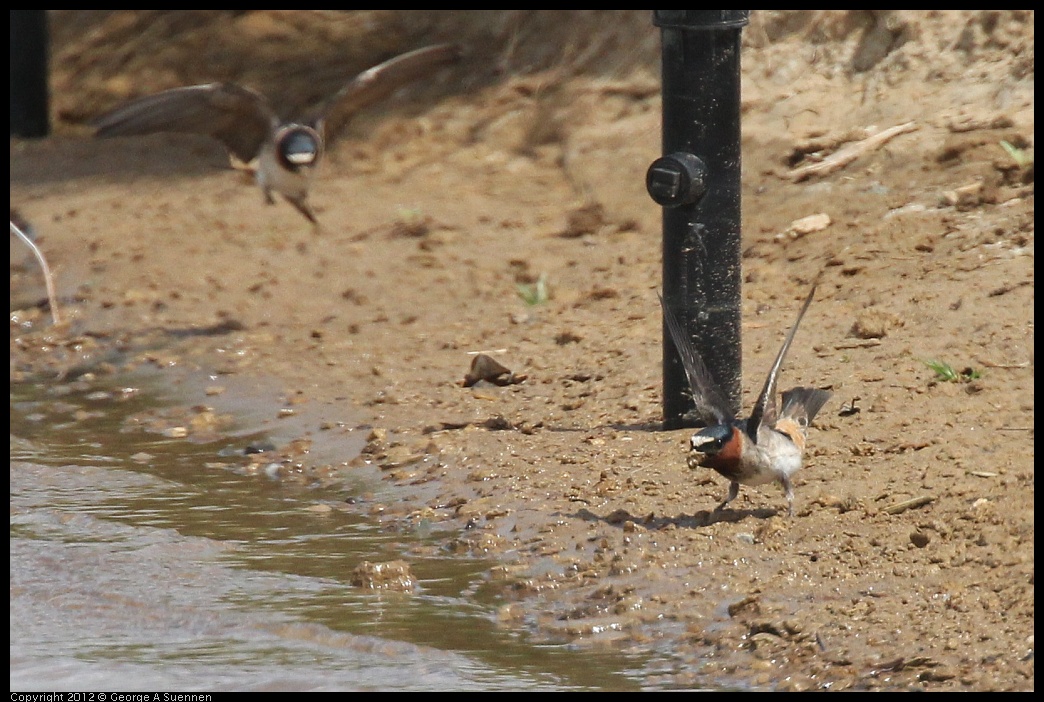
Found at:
[909, 504]
[52, 297]
[844, 156]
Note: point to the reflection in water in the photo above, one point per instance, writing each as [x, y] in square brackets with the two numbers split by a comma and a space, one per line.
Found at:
[177, 572]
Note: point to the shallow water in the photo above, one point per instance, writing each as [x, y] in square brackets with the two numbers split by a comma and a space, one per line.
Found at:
[140, 562]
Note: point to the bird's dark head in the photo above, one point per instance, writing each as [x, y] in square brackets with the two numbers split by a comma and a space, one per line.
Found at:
[712, 440]
[298, 147]
[719, 447]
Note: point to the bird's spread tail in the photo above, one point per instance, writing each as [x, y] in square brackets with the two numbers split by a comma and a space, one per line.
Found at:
[802, 404]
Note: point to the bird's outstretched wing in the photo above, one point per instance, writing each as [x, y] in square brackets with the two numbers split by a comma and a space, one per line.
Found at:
[765, 407]
[705, 392]
[375, 84]
[238, 117]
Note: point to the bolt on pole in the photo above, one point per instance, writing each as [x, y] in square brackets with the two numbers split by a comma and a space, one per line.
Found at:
[697, 182]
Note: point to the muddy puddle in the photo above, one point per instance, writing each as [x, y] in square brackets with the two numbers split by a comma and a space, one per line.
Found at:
[151, 549]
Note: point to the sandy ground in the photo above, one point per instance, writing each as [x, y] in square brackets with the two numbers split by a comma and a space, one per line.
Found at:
[909, 563]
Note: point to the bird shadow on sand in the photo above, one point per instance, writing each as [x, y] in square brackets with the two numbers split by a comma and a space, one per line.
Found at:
[696, 520]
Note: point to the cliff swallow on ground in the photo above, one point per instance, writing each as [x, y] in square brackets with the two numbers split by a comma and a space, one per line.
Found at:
[763, 448]
[286, 152]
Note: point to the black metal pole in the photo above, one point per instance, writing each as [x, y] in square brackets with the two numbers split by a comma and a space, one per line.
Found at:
[697, 182]
[29, 95]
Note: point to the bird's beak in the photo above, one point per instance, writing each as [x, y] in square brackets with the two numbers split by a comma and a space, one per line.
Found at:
[695, 459]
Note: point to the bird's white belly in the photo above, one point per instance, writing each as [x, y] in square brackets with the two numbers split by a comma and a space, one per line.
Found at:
[272, 176]
[782, 466]
[779, 457]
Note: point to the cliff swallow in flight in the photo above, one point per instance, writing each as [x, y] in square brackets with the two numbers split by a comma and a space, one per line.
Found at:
[761, 449]
[286, 152]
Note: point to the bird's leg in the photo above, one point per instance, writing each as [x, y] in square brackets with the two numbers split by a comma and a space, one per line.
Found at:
[303, 208]
[733, 491]
[788, 489]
